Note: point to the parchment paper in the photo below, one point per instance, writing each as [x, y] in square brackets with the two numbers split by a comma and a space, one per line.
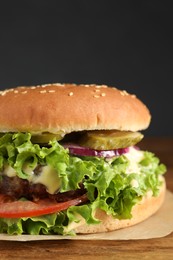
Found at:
[159, 225]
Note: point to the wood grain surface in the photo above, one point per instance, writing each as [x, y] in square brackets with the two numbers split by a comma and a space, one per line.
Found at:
[161, 248]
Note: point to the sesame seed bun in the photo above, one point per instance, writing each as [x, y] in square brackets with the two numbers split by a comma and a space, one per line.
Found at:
[140, 212]
[68, 107]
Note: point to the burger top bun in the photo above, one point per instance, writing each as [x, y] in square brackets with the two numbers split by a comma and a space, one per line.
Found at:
[69, 107]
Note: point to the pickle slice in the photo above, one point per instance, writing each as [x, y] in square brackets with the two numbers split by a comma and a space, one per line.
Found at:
[109, 139]
[44, 138]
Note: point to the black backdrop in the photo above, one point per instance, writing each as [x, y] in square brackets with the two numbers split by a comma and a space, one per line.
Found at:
[127, 44]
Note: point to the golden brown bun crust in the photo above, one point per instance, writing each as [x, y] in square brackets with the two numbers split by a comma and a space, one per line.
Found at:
[143, 210]
[70, 107]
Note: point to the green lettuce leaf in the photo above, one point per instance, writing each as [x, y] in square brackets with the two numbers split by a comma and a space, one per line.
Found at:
[108, 185]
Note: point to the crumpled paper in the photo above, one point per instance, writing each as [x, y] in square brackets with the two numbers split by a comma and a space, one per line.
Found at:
[158, 225]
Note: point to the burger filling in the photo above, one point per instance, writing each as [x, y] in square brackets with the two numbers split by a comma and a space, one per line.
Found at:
[46, 185]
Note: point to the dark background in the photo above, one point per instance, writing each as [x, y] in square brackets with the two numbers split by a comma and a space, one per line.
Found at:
[127, 44]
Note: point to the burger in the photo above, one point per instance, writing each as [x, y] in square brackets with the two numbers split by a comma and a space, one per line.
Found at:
[70, 161]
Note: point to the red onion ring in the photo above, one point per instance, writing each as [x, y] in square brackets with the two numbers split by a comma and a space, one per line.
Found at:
[85, 151]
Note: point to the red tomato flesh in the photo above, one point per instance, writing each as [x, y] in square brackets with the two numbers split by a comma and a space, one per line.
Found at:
[19, 209]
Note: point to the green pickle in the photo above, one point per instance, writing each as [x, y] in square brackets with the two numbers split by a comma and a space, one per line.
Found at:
[46, 137]
[109, 139]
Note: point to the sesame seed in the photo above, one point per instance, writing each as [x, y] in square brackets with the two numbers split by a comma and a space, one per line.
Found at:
[103, 94]
[133, 96]
[96, 96]
[70, 94]
[16, 91]
[3, 93]
[32, 87]
[122, 93]
[42, 91]
[45, 85]
[58, 84]
[24, 92]
[100, 86]
[97, 90]
[51, 91]
[125, 92]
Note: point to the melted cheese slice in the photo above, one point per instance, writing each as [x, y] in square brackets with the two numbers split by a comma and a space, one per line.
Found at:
[9, 171]
[48, 177]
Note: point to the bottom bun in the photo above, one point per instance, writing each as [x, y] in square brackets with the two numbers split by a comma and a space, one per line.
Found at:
[141, 211]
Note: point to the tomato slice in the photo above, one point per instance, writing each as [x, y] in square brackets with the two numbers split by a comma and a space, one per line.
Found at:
[19, 209]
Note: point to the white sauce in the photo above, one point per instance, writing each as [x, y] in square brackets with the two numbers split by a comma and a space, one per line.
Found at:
[134, 183]
[134, 156]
